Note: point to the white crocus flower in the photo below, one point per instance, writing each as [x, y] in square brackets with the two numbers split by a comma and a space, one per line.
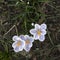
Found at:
[28, 42]
[18, 44]
[39, 31]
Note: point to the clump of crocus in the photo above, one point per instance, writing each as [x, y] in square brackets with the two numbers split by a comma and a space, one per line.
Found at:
[39, 31]
[22, 42]
[26, 42]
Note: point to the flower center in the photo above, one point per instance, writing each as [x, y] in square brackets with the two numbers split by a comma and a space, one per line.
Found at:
[27, 41]
[39, 32]
[18, 43]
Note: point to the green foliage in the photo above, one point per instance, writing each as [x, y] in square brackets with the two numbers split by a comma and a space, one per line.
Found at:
[4, 56]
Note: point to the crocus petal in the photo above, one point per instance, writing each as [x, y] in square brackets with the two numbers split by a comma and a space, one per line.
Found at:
[37, 26]
[26, 36]
[16, 49]
[31, 39]
[42, 38]
[36, 36]
[15, 38]
[21, 48]
[30, 45]
[14, 44]
[22, 37]
[43, 26]
[43, 32]
[27, 48]
[33, 31]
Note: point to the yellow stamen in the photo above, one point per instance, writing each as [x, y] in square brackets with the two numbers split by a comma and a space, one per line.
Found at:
[27, 41]
[39, 32]
[18, 43]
